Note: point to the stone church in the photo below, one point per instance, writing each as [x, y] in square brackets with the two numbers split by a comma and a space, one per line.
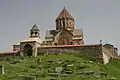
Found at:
[65, 38]
[64, 34]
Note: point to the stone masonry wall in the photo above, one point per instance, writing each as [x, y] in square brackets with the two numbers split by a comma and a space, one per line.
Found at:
[89, 50]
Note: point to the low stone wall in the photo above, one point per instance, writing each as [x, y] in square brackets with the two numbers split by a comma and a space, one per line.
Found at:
[7, 54]
[89, 50]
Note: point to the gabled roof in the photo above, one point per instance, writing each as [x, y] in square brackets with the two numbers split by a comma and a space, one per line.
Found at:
[77, 32]
[50, 33]
[65, 30]
[64, 14]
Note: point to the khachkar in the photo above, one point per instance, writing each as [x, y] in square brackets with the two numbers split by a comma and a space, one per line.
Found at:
[65, 32]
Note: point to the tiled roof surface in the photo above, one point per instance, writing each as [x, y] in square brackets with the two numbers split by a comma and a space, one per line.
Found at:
[17, 43]
[51, 33]
[33, 39]
[64, 14]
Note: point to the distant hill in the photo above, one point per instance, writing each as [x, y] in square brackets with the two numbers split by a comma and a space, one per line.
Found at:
[59, 67]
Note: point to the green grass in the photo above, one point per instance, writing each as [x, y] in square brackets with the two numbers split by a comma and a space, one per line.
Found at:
[28, 66]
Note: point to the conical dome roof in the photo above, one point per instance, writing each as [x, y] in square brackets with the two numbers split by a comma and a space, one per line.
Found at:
[64, 14]
[35, 27]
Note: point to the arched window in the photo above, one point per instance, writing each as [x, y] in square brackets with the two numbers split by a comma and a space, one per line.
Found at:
[63, 22]
[60, 23]
[31, 33]
[57, 25]
[36, 34]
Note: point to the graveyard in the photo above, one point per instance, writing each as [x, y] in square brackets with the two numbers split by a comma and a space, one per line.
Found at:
[57, 67]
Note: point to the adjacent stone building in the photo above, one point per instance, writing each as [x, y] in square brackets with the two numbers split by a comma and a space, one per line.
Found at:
[29, 46]
[112, 49]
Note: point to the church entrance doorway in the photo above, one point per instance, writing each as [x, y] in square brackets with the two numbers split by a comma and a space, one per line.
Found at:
[28, 50]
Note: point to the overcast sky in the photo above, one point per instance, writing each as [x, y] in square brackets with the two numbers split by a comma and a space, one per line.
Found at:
[99, 19]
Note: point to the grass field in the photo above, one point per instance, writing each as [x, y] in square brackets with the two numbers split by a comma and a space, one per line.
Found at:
[59, 67]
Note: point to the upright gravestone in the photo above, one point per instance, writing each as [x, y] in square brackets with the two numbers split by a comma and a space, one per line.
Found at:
[59, 70]
[2, 69]
[39, 66]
